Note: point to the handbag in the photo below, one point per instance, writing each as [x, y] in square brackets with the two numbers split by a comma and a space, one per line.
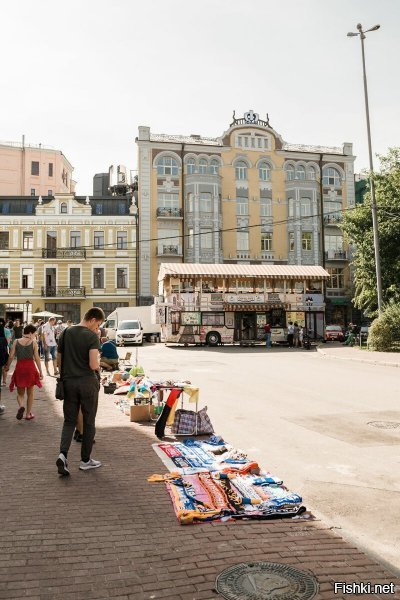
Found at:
[185, 422]
[60, 382]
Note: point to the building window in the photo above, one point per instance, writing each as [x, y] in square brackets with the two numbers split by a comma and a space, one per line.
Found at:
[122, 208]
[49, 192]
[27, 278]
[202, 166]
[265, 207]
[168, 200]
[99, 240]
[122, 240]
[291, 208]
[206, 239]
[35, 167]
[109, 307]
[332, 212]
[5, 209]
[191, 166]
[242, 206]
[306, 240]
[190, 238]
[190, 203]
[266, 241]
[214, 167]
[29, 208]
[167, 166]
[98, 278]
[336, 280]
[334, 246]
[300, 173]
[27, 240]
[242, 240]
[168, 241]
[122, 277]
[3, 278]
[75, 239]
[98, 208]
[205, 202]
[241, 170]
[291, 241]
[50, 169]
[4, 240]
[331, 177]
[74, 277]
[33, 192]
[311, 173]
[305, 207]
[264, 171]
[289, 172]
[63, 208]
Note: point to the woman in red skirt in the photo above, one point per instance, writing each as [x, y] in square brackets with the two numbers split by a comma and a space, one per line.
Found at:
[25, 375]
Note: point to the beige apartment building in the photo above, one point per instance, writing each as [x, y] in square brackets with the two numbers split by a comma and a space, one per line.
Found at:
[66, 254]
[33, 170]
[245, 197]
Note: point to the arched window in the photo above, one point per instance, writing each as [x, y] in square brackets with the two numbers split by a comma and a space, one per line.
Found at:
[289, 172]
[167, 165]
[202, 166]
[63, 208]
[214, 167]
[305, 207]
[264, 171]
[311, 173]
[300, 172]
[191, 166]
[241, 170]
[331, 177]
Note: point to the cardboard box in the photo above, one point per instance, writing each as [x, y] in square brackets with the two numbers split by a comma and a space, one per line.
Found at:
[141, 413]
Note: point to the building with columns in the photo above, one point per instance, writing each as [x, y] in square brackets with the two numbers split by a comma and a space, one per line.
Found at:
[65, 254]
[246, 197]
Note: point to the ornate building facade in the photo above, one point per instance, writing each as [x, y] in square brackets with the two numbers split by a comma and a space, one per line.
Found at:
[65, 254]
[244, 197]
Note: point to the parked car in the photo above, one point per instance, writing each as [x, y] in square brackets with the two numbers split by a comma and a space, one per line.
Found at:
[333, 333]
[129, 332]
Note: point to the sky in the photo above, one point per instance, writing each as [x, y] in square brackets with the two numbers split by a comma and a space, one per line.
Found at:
[82, 75]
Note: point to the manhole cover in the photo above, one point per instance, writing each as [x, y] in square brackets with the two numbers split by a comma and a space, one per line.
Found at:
[385, 424]
[265, 581]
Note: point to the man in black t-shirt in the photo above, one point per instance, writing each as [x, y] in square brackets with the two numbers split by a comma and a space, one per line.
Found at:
[78, 361]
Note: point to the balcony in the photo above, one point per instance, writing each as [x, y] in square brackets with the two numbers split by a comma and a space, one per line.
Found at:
[169, 213]
[64, 253]
[169, 251]
[333, 219]
[336, 255]
[63, 292]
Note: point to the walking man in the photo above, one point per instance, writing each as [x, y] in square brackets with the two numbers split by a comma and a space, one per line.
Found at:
[78, 359]
[290, 334]
[267, 331]
[50, 345]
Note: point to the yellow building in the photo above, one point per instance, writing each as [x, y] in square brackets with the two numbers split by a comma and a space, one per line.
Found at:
[66, 254]
[245, 197]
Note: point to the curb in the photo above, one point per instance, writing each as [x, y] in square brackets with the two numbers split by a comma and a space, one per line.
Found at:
[360, 360]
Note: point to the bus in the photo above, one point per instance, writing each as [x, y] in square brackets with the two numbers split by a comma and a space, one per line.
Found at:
[217, 304]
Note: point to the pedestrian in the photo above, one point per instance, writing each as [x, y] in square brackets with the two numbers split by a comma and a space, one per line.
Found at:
[301, 336]
[296, 331]
[7, 333]
[18, 329]
[39, 333]
[58, 329]
[69, 323]
[78, 358]
[109, 355]
[3, 353]
[267, 331]
[26, 374]
[50, 345]
[290, 334]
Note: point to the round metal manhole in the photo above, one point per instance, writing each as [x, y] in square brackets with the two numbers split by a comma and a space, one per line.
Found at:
[384, 424]
[265, 581]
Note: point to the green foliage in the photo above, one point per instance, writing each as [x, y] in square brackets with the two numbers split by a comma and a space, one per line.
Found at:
[358, 228]
[384, 333]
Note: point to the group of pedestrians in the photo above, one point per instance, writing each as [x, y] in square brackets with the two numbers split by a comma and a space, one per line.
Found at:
[295, 335]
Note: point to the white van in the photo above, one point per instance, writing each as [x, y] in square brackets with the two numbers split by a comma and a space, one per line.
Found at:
[144, 314]
[129, 332]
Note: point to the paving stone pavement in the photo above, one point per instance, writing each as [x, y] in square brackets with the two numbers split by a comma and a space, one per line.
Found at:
[108, 533]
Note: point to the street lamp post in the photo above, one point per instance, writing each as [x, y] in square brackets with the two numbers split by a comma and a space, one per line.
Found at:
[27, 304]
[135, 212]
[362, 33]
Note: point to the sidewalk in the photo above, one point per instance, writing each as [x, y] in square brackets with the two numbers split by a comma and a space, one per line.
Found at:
[386, 359]
[109, 534]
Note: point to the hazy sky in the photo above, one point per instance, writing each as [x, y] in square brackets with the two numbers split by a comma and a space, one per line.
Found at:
[82, 75]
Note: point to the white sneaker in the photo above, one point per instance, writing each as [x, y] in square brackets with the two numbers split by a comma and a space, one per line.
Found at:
[62, 465]
[91, 464]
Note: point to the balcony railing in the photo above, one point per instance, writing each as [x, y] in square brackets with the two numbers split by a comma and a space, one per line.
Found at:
[171, 250]
[338, 218]
[171, 213]
[51, 291]
[337, 255]
[64, 253]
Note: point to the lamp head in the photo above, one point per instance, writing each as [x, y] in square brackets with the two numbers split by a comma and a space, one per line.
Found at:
[351, 34]
[374, 28]
[359, 27]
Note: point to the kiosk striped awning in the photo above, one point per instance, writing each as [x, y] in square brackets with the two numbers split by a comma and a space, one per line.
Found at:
[188, 270]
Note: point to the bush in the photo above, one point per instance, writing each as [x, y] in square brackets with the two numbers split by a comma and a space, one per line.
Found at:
[384, 333]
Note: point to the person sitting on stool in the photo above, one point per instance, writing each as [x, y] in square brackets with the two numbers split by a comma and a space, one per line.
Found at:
[109, 356]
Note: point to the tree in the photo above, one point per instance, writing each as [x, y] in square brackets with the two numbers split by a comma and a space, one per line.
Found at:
[357, 226]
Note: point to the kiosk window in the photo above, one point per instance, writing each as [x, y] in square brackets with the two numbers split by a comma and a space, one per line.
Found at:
[215, 319]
